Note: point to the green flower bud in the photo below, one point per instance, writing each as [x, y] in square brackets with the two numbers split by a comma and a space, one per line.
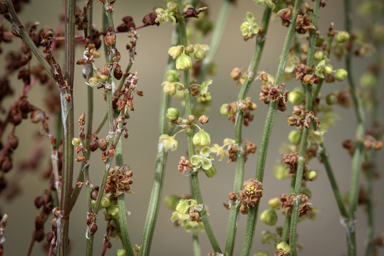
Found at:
[182, 206]
[113, 211]
[76, 142]
[296, 97]
[331, 99]
[274, 203]
[201, 138]
[342, 36]
[269, 217]
[368, 80]
[213, 68]
[226, 110]
[105, 202]
[340, 74]
[210, 172]
[199, 54]
[183, 62]
[280, 172]
[260, 253]
[310, 175]
[121, 252]
[103, 78]
[175, 51]
[172, 201]
[169, 142]
[171, 6]
[173, 76]
[328, 69]
[283, 246]
[319, 55]
[172, 114]
[294, 137]
[93, 81]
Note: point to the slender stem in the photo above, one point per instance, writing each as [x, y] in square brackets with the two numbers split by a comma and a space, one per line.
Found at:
[68, 122]
[196, 245]
[121, 204]
[304, 135]
[84, 171]
[216, 38]
[239, 175]
[161, 159]
[16, 24]
[287, 222]
[267, 131]
[188, 111]
[360, 131]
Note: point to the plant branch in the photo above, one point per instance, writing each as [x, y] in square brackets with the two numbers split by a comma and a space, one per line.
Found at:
[267, 131]
[239, 175]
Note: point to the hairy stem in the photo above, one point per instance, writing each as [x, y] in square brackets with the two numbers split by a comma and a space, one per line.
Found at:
[304, 135]
[188, 111]
[239, 175]
[267, 131]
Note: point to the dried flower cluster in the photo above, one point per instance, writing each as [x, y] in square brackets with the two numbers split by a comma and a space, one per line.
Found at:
[119, 180]
[269, 93]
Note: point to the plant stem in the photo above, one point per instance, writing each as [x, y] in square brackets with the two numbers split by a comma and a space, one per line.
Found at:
[239, 175]
[125, 240]
[267, 131]
[304, 135]
[161, 160]
[360, 131]
[68, 122]
[188, 111]
[16, 24]
[216, 38]
[196, 244]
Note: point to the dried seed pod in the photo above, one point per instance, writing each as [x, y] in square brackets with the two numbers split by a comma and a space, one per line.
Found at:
[103, 145]
[13, 142]
[7, 165]
[93, 145]
[93, 228]
[39, 235]
[39, 201]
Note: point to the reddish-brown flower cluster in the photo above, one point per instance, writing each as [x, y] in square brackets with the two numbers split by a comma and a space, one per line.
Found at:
[246, 106]
[251, 194]
[269, 93]
[285, 15]
[291, 161]
[304, 73]
[288, 201]
[184, 165]
[302, 118]
[303, 24]
[119, 180]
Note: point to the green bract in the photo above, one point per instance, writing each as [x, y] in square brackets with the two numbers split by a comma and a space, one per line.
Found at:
[249, 26]
[201, 139]
[202, 159]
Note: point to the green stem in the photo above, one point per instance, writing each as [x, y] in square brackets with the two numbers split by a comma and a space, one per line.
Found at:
[370, 243]
[239, 175]
[287, 222]
[360, 131]
[188, 111]
[126, 241]
[196, 245]
[304, 135]
[267, 131]
[68, 122]
[27, 39]
[216, 38]
[157, 187]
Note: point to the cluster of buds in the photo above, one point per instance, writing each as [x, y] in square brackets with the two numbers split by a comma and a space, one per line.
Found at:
[249, 196]
[184, 165]
[89, 55]
[187, 210]
[291, 161]
[370, 142]
[91, 223]
[201, 91]
[123, 99]
[127, 24]
[269, 93]
[304, 73]
[246, 107]
[181, 54]
[249, 27]
[288, 201]
[302, 118]
[303, 24]
[119, 180]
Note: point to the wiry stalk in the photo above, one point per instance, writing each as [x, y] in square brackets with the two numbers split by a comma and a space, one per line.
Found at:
[358, 152]
[239, 175]
[267, 131]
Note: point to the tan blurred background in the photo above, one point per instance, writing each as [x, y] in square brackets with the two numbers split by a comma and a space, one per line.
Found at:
[325, 236]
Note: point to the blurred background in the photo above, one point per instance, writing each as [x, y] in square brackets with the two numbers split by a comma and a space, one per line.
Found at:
[325, 236]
